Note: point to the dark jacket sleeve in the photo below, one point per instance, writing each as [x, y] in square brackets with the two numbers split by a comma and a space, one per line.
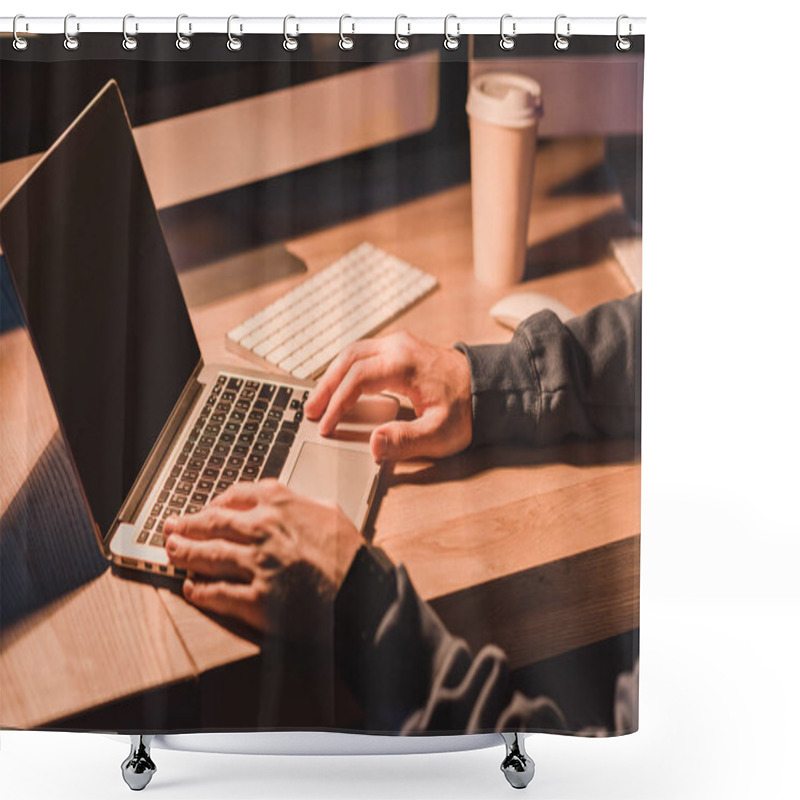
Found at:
[409, 674]
[557, 380]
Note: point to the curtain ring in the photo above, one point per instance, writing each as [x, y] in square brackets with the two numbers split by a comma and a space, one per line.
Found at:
[401, 42]
[234, 42]
[345, 42]
[129, 42]
[289, 42]
[561, 42]
[623, 43]
[451, 42]
[507, 42]
[182, 42]
[70, 42]
[19, 43]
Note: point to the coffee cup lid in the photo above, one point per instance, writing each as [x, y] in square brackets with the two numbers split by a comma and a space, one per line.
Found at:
[505, 98]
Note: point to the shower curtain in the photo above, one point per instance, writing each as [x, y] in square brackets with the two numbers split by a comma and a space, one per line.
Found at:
[155, 198]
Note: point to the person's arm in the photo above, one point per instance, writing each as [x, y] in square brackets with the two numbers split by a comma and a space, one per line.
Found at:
[552, 381]
[409, 674]
[557, 380]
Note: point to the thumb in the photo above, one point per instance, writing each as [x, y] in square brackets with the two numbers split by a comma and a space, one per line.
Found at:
[396, 441]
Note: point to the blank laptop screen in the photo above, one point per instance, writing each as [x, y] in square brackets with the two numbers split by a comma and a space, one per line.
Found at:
[104, 309]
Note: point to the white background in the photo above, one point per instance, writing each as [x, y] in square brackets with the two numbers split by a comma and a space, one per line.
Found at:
[720, 703]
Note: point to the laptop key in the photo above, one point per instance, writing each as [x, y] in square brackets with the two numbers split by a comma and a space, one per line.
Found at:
[282, 398]
[163, 497]
[234, 384]
[250, 473]
[158, 540]
[205, 486]
[177, 501]
[142, 537]
[230, 474]
[183, 488]
[200, 498]
[266, 392]
[285, 437]
[275, 461]
[193, 509]
[210, 473]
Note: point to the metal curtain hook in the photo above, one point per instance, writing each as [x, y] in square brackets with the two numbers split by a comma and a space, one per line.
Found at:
[451, 42]
[507, 42]
[401, 42]
[561, 42]
[129, 42]
[623, 43]
[182, 42]
[70, 42]
[289, 42]
[234, 42]
[19, 43]
[346, 42]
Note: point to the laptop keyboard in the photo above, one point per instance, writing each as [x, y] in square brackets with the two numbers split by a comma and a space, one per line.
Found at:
[243, 433]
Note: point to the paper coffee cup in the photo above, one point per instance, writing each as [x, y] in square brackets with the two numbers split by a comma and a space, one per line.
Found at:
[504, 110]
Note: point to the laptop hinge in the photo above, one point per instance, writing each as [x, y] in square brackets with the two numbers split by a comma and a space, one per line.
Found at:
[161, 449]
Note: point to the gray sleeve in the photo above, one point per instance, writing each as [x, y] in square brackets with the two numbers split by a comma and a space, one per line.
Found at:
[409, 674]
[554, 381]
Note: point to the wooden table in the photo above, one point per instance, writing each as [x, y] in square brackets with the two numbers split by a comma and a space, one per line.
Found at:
[555, 533]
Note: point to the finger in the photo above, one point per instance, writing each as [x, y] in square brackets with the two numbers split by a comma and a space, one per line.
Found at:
[213, 522]
[238, 600]
[368, 376]
[216, 558]
[242, 495]
[396, 441]
[317, 401]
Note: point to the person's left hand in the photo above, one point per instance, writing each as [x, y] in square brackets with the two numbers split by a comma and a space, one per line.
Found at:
[266, 556]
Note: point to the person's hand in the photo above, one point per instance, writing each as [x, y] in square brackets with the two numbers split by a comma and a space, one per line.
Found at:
[266, 556]
[435, 379]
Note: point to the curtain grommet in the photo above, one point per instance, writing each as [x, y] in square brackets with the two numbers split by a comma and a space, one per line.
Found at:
[234, 43]
[129, 42]
[71, 42]
[623, 44]
[401, 42]
[290, 43]
[507, 41]
[182, 42]
[561, 42]
[18, 43]
[451, 42]
[346, 42]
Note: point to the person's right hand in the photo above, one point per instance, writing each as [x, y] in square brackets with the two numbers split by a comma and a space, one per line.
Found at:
[435, 379]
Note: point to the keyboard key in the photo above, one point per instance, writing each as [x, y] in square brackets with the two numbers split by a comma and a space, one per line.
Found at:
[284, 437]
[282, 398]
[250, 473]
[157, 509]
[200, 498]
[183, 488]
[150, 524]
[234, 384]
[177, 501]
[142, 537]
[163, 497]
[158, 540]
[193, 508]
[275, 461]
[266, 392]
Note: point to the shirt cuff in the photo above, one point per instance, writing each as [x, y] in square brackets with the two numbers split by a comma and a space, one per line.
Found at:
[505, 392]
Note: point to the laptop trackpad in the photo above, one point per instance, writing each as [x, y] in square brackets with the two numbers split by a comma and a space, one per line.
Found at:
[334, 473]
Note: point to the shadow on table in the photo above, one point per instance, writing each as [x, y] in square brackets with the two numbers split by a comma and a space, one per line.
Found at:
[47, 545]
[576, 247]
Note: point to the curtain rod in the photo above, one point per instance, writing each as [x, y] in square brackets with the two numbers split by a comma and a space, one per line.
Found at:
[404, 25]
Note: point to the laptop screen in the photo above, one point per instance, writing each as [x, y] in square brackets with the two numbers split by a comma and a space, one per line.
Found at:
[104, 309]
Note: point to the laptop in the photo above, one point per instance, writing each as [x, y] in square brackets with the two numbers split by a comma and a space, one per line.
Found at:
[152, 431]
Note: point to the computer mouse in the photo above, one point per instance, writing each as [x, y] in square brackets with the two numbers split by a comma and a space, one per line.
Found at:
[511, 310]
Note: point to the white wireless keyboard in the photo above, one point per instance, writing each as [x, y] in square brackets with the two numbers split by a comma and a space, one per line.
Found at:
[304, 330]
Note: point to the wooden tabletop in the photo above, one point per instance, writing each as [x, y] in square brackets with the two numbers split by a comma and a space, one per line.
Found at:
[554, 534]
